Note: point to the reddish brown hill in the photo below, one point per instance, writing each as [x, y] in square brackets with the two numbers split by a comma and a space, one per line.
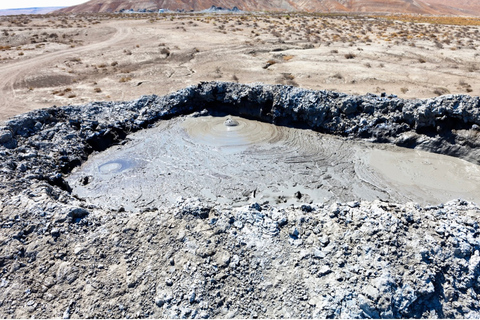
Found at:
[467, 6]
[463, 7]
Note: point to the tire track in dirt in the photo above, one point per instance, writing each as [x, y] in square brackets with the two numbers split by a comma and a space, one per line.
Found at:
[14, 72]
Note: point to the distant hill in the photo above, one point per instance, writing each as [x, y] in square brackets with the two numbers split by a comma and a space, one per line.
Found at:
[35, 10]
[437, 7]
[472, 6]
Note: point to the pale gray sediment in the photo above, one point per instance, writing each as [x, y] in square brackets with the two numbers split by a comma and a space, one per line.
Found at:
[61, 255]
[253, 161]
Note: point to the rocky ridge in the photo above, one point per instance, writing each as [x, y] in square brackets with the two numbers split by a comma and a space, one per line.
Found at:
[61, 256]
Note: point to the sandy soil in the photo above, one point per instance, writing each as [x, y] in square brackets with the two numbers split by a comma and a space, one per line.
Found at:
[47, 60]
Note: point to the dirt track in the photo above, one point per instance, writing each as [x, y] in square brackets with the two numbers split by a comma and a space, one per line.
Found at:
[17, 71]
[98, 58]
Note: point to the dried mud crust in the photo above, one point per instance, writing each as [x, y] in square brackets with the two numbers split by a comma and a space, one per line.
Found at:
[63, 256]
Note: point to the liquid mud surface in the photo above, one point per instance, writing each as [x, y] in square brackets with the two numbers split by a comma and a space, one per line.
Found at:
[233, 160]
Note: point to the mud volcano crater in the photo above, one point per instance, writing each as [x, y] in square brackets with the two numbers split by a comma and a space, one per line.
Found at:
[224, 199]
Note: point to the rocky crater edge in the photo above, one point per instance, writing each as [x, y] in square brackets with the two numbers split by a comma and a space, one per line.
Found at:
[60, 256]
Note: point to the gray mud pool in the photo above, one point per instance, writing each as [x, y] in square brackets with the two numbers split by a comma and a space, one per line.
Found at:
[233, 160]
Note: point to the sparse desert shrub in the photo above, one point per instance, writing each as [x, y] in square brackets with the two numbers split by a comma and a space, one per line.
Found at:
[472, 68]
[404, 90]
[422, 60]
[235, 78]
[125, 79]
[467, 86]
[218, 73]
[288, 58]
[350, 56]
[368, 65]
[275, 33]
[441, 91]
[337, 76]
[165, 51]
[127, 52]
[114, 64]
[269, 63]
[103, 65]
[21, 53]
[72, 96]
[334, 51]
[97, 90]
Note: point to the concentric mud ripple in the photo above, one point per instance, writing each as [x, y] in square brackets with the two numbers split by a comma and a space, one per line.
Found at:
[254, 161]
[232, 133]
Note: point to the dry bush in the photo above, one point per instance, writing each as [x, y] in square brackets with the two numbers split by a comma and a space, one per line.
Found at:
[441, 91]
[114, 64]
[368, 65]
[404, 90]
[165, 51]
[97, 90]
[472, 68]
[422, 60]
[337, 76]
[269, 63]
[125, 79]
[350, 56]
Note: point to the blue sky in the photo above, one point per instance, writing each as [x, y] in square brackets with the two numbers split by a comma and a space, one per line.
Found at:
[13, 4]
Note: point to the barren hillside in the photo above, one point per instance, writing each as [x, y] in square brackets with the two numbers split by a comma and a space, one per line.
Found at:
[391, 6]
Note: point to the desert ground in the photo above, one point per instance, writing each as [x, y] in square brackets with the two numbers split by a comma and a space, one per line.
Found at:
[70, 60]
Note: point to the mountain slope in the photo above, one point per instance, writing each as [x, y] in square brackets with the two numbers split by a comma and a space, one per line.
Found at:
[455, 7]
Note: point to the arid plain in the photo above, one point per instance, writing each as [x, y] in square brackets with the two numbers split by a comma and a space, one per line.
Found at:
[48, 60]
